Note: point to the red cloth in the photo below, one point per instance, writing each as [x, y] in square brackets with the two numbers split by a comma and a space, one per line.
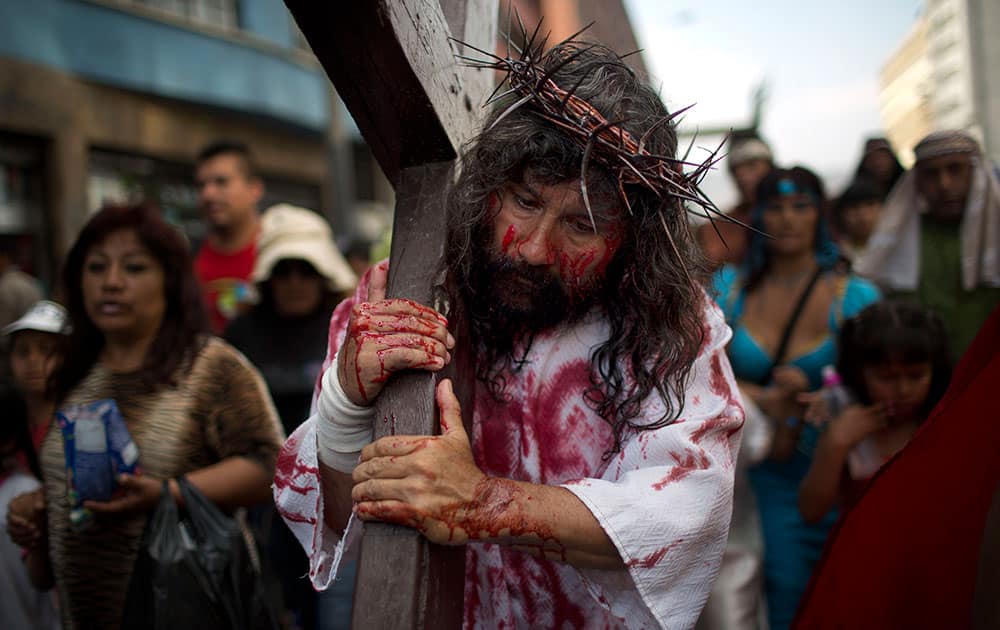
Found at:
[225, 282]
[906, 555]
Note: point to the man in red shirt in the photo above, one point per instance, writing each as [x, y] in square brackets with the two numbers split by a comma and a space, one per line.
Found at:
[228, 193]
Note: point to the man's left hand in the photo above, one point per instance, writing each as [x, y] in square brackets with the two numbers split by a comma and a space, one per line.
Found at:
[429, 483]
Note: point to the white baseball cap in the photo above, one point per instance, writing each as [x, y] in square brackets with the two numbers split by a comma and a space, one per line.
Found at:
[44, 316]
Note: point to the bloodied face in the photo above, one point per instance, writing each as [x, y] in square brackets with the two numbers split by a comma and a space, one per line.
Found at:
[545, 263]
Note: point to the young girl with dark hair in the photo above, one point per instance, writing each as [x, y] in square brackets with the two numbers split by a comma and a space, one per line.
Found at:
[894, 360]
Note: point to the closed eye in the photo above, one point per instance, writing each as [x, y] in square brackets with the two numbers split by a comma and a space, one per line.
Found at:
[580, 224]
[525, 202]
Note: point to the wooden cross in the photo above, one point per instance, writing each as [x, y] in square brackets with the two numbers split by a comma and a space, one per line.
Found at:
[392, 64]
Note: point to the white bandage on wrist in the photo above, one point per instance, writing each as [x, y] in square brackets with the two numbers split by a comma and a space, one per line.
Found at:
[342, 428]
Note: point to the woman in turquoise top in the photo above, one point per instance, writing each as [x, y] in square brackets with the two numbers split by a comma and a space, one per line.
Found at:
[797, 262]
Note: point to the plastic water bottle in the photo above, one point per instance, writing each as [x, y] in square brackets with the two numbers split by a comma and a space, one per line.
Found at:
[864, 460]
[835, 395]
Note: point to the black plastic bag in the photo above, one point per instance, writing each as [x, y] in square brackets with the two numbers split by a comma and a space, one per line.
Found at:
[194, 570]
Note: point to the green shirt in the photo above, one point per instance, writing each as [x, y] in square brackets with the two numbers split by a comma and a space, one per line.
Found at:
[940, 287]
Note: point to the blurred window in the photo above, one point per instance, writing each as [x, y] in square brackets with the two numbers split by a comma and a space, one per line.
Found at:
[218, 13]
[115, 177]
[22, 203]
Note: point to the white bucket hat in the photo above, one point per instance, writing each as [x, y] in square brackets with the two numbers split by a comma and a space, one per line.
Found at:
[44, 316]
[290, 232]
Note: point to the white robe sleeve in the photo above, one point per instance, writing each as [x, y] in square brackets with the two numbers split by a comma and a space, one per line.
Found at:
[297, 488]
[299, 499]
[665, 500]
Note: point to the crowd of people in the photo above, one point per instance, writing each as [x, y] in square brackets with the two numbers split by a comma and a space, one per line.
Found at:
[836, 295]
[668, 418]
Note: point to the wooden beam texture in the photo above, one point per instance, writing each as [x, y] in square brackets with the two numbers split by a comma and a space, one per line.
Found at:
[393, 66]
[404, 581]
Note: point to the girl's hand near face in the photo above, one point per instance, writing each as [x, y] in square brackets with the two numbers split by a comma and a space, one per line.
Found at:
[855, 424]
[821, 488]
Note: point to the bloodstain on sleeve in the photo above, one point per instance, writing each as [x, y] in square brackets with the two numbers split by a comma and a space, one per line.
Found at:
[651, 560]
[296, 484]
[666, 500]
[693, 459]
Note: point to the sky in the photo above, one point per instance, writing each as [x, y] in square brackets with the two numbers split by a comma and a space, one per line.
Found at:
[820, 61]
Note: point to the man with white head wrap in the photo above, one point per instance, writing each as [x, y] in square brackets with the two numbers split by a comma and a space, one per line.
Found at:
[938, 240]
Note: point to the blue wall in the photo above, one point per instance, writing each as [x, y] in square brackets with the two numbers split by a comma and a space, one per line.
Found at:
[267, 19]
[129, 51]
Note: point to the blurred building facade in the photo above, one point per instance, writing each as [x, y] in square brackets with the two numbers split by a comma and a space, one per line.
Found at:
[111, 99]
[904, 98]
[943, 76]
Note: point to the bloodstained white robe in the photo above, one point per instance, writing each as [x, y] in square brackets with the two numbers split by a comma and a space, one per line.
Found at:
[665, 499]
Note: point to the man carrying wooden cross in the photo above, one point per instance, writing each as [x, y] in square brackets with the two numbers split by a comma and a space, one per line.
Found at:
[595, 488]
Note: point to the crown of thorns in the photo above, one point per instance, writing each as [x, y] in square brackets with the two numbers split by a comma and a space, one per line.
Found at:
[530, 73]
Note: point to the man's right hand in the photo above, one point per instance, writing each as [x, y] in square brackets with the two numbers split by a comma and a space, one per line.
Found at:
[26, 519]
[386, 336]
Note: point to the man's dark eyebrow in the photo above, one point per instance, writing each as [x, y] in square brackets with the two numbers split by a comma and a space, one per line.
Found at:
[525, 186]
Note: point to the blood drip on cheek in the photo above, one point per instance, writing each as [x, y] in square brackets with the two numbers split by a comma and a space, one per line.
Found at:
[493, 202]
[580, 270]
[508, 237]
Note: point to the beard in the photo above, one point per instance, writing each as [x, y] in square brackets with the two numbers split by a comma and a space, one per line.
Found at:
[517, 299]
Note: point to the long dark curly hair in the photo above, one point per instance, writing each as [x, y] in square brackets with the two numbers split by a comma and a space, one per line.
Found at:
[652, 292]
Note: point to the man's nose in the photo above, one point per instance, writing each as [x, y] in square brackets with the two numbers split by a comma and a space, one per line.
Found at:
[949, 183]
[207, 192]
[537, 248]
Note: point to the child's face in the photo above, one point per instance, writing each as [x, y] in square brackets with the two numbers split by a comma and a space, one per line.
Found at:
[901, 387]
[860, 220]
[33, 356]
